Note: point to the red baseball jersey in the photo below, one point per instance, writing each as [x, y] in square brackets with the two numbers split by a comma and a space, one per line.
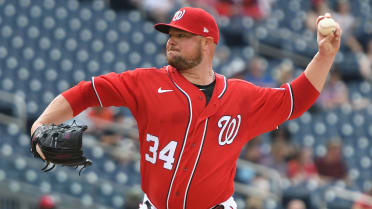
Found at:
[189, 149]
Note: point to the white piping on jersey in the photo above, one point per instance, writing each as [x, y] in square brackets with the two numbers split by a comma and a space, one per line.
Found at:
[184, 142]
[290, 92]
[95, 91]
[224, 88]
[196, 162]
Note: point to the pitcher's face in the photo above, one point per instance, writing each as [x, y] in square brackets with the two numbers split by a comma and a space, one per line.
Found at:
[183, 49]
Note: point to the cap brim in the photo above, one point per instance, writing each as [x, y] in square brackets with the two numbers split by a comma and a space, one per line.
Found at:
[164, 28]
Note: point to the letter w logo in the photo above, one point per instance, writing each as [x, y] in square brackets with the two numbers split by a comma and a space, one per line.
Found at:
[229, 129]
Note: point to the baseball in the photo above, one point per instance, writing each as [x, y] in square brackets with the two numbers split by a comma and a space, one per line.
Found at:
[326, 26]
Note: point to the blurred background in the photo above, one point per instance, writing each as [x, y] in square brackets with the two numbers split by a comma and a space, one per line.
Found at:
[320, 160]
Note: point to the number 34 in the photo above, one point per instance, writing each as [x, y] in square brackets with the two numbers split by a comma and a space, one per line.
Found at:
[166, 154]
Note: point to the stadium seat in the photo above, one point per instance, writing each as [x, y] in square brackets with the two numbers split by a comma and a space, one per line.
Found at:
[85, 14]
[98, 5]
[74, 24]
[87, 200]
[121, 177]
[73, 5]
[2, 174]
[9, 10]
[118, 201]
[61, 13]
[59, 34]
[6, 32]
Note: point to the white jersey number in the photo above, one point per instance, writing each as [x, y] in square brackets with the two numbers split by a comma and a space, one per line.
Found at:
[153, 149]
[166, 154]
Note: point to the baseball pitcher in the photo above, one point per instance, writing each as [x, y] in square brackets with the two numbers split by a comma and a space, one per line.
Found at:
[193, 122]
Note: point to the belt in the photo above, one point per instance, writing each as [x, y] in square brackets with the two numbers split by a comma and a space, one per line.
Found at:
[148, 204]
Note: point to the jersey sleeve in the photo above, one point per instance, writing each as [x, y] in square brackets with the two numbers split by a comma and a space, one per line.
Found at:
[270, 107]
[304, 95]
[111, 89]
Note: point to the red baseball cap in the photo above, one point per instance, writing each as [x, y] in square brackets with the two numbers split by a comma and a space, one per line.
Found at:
[193, 20]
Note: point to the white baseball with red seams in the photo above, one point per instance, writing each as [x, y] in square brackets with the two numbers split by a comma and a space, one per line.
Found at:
[327, 26]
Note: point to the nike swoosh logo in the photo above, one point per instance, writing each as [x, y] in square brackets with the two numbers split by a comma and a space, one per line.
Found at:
[160, 91]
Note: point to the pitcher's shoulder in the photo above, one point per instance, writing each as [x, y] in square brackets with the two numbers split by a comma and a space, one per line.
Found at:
[153, 71]
[239, 82]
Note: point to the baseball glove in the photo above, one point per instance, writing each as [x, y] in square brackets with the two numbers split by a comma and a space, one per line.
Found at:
[61, 145]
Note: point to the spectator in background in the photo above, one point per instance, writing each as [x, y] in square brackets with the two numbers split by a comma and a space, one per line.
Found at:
[157, 10]
[227, 8]
[251, 152]
[257, 75]
[318, 7]
[119, 5]
[208, 5]
[99, 119]
[332, 167]
[284, 73]
[347, 22]
[105, 124]
[133, 197]
[365, 61]
[123, 145]
[282, 137]
[257, 9]
[335, 92]
[277, 159]
[296, 204]
[365, 201]
[302, 167]
[254, 203]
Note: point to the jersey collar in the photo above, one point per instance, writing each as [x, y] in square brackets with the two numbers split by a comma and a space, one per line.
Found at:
[218, 92]
[219, 89]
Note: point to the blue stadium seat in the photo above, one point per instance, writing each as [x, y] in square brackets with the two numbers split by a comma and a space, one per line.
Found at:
[118, 201]
[99, 5]
[35, 12]
[46, 187]
[31, 176]
[121, 177]
[6, 32]
[74, 24]
[61, 13]
[76, 189]
[9, 10]
[86, 14]
[73, 5]
[24, 4]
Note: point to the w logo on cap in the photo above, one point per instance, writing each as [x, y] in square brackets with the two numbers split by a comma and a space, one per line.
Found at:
[179, 14]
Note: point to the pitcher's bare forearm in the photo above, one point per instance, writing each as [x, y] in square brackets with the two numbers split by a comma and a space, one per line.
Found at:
[318, 69]
[321, 64]
[58, 111]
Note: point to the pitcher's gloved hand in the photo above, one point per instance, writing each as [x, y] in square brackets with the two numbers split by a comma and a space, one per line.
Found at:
[61, 145]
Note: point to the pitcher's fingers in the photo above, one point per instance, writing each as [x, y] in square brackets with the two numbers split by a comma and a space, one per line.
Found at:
[338, 31]
[319, 19]
[328, 15]
[330, 36]
[38, 149]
